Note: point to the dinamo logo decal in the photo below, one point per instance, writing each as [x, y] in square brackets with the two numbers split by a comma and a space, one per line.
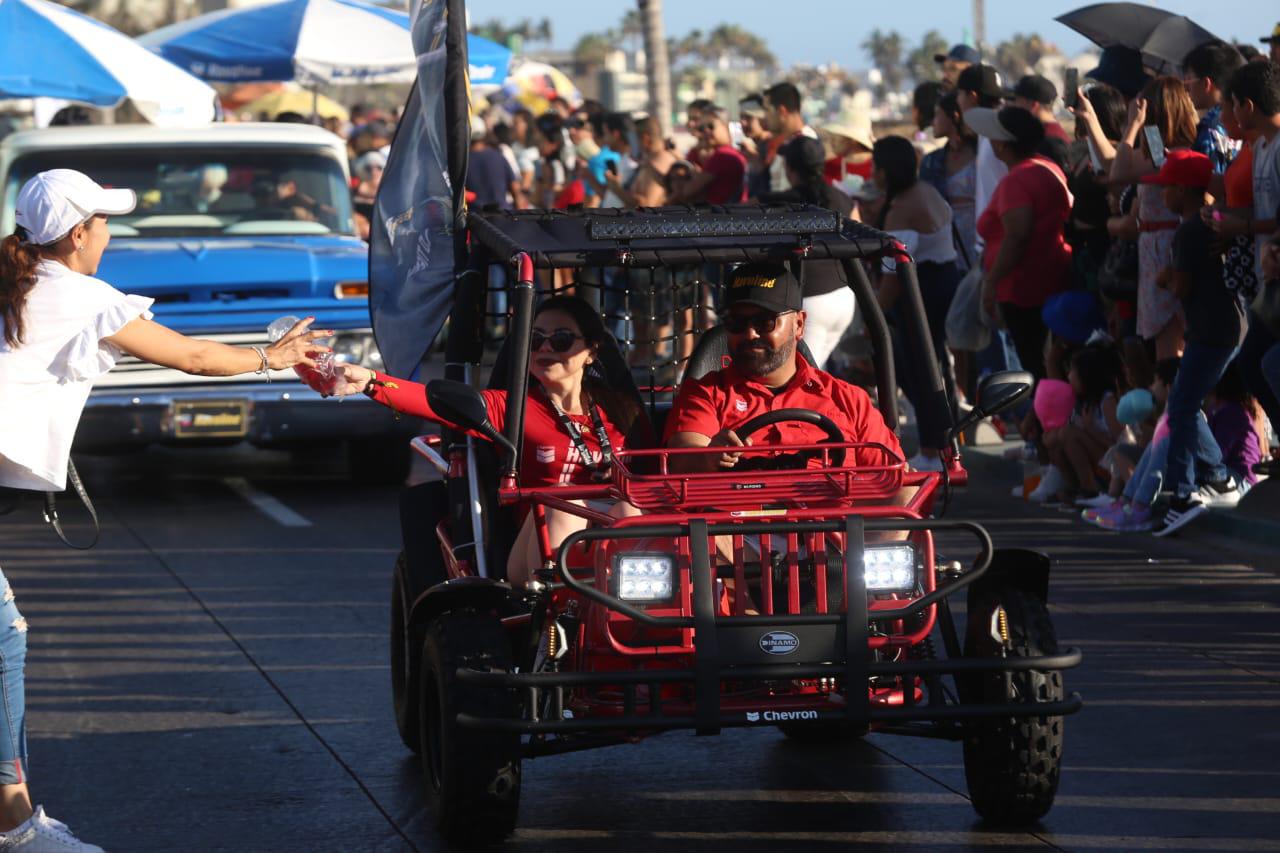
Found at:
[779, 643]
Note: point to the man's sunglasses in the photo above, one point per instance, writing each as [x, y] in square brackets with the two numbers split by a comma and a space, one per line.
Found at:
[736, 324]
[560, 341]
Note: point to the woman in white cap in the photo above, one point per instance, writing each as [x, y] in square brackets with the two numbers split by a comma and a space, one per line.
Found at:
[63, 328]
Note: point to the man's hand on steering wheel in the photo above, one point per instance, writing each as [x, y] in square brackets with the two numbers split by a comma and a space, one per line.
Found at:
[791, 460]
[728, 438]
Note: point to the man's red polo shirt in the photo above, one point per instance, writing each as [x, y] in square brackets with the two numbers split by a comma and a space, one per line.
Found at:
[726, 398]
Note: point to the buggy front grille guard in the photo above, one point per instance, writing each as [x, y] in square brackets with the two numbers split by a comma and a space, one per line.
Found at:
[711, 667]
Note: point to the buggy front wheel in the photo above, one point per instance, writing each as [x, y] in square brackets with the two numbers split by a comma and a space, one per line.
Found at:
[1012, 765]
[472, 776]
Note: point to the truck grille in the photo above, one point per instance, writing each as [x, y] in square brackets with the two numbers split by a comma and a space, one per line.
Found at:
[130, 372]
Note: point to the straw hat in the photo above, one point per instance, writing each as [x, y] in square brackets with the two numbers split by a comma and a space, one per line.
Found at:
[856, 127]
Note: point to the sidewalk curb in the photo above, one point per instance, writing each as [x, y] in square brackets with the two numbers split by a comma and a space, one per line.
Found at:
[1222, 522]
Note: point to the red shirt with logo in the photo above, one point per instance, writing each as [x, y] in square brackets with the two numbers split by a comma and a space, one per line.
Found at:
[548, 458]
[726, 398]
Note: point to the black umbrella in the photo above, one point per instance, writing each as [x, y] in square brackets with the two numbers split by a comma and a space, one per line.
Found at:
[1162, 38]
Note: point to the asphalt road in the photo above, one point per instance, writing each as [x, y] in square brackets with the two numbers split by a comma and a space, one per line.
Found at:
[213, 676]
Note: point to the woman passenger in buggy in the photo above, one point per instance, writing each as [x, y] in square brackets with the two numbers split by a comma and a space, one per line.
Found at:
[574, 423]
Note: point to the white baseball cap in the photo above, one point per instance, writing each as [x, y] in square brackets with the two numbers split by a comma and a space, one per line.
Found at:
[53, 202]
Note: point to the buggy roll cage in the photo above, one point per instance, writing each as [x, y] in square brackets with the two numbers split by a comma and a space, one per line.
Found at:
[530, 240]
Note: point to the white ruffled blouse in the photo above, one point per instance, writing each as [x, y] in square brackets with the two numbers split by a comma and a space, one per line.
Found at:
[46, 378]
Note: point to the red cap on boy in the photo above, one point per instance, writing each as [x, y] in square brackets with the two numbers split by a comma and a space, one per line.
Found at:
[1183, 168]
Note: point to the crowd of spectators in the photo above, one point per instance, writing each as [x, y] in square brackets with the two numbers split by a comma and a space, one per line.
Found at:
[1117, 241]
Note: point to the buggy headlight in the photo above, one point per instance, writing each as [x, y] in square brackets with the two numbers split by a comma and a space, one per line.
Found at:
[644, 577]
[889, 568]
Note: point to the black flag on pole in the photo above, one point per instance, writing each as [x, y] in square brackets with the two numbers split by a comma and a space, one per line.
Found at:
[416, 236]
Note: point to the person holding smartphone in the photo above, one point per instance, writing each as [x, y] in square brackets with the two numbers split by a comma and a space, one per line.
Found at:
[1165, 107]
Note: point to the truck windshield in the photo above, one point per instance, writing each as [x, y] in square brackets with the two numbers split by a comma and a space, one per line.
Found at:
[192, 192]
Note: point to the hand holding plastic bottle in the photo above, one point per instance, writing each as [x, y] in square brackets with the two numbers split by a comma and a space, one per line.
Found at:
[322, 376]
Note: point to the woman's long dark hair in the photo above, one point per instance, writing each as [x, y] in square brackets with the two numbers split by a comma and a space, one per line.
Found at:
[812, 186]
[949, 103]
[1110, 108]
[620, 407]
[18, 262]
[896, 156]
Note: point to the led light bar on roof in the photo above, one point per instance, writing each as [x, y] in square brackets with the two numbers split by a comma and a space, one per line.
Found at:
[666, 225]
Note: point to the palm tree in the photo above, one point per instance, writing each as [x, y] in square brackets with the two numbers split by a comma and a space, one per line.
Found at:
[885, 50]
[1020, 54]
[921, 60]
[592, 49]
[543, 33]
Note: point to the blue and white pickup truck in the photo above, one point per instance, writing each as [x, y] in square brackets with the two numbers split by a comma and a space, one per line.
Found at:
[236, 225]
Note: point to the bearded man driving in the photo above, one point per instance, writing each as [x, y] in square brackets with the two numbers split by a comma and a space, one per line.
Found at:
[765, 322]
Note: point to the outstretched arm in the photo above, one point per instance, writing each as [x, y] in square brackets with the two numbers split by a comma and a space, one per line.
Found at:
[157, 344]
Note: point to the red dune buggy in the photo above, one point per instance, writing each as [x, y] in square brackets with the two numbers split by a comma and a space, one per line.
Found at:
[824, 621]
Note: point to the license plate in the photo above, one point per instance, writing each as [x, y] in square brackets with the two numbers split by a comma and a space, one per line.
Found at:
[210, 419]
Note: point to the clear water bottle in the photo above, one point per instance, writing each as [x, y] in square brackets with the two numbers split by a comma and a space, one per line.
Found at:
[323, 377]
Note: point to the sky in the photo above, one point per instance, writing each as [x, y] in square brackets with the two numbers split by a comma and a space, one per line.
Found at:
[819, 36]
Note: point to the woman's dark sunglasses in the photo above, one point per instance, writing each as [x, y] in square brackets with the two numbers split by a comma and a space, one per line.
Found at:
[736, 324]
[560, 341]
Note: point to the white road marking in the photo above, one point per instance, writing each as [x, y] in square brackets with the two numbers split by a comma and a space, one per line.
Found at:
[265, 503]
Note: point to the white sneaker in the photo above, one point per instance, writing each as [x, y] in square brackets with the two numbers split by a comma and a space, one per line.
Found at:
[920, 462]
[43, 834]
[1096, 502]
[1051, 482]
[1225, 494]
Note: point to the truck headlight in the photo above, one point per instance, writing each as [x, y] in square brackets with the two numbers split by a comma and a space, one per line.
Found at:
[644, 577]
[356, 348]
[889, 568]
[349, 349]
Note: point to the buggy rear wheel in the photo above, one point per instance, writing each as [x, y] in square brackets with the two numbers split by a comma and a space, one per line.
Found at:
[1012, 765]
[472, 776]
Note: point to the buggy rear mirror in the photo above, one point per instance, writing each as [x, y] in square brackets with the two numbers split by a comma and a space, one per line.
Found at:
[461, 404]
[1004, 390]
[997, 393]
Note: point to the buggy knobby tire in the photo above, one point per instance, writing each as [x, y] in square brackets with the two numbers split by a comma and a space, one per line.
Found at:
[406, 656]
[1012, 765]
[472, 776]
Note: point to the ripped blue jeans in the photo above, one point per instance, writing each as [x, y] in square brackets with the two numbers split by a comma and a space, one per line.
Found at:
[13, 700]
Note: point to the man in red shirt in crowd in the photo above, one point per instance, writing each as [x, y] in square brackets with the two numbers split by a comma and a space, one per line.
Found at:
[723, 179]
[765, 321]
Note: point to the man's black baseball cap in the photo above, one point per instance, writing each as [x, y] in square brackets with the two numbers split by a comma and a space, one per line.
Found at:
[984, 80]
[1033, 87]
[770, 286]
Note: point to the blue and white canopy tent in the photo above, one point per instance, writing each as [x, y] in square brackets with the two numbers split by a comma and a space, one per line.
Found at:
[310, 41]
[50, 51]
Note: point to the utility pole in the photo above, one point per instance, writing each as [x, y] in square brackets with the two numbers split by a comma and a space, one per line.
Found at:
[980, 25]
[657, 64]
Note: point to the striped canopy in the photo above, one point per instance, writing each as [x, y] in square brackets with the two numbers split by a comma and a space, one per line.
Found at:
[311, 41]
[50, 51]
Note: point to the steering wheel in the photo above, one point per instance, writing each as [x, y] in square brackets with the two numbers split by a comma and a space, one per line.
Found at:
[824, 423]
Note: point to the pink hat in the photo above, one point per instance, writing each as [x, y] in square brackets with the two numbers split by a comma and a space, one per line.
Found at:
[1054, 403]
